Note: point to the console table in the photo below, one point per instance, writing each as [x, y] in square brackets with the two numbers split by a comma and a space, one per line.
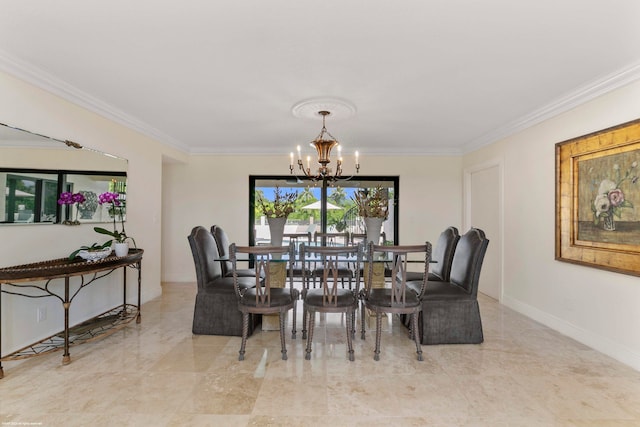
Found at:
[16, 281]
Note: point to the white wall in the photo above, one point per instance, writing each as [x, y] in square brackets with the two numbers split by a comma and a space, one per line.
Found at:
[25, 106]
[209, 190]
[596, 307]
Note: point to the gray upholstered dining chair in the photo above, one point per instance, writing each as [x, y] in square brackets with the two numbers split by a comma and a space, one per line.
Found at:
[329, 298]
[399, 299]
[263, 298]
[442, 257]
[450, 310]
[222, 241]
[215, 311]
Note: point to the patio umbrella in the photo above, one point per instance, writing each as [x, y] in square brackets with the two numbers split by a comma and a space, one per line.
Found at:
[318, 205]
[19, 193]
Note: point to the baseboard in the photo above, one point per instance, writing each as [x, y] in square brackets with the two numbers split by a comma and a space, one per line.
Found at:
[602, 344]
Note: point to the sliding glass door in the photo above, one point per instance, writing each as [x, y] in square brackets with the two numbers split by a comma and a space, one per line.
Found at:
[319, 206]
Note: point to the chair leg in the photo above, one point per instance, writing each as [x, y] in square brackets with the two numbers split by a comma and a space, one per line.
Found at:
[293, 331]
[304, 322]
[312, 318]
[362, 320]
[281, 316]
[349, 322]
[414, 327]
[353, 321]
[245, 333]
[376, 355]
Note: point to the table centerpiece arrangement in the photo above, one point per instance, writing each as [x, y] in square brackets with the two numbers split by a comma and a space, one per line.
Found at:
[277, 212]
[373, 207]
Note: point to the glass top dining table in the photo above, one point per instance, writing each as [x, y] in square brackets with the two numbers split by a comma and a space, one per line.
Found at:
[311, 256]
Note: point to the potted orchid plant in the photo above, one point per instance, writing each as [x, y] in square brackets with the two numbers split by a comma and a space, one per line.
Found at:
[119, 238]
[67, 198]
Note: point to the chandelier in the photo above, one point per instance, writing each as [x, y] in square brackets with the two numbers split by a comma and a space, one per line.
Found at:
[323, 144]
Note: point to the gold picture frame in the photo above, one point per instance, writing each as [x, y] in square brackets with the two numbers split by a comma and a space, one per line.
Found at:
[598, 199]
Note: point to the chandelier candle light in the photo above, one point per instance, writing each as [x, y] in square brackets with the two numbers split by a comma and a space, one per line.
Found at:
[323, 147]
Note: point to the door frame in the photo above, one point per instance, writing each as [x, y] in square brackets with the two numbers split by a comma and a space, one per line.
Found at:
[467, 209]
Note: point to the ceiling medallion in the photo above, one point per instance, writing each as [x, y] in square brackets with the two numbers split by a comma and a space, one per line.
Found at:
[324, 142]
[310, 108]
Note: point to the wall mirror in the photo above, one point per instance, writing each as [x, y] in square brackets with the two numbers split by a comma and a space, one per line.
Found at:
[36, 169]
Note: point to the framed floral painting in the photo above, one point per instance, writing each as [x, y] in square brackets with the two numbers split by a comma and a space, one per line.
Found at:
[598, 199]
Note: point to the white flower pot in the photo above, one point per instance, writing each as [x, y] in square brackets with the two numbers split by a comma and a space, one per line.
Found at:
[374, 228]
[122, 249]
[276, 230]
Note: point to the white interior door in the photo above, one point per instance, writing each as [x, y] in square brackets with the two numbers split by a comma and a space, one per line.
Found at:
[484, 211]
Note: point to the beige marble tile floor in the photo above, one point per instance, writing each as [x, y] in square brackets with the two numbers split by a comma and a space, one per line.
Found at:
[159, 374]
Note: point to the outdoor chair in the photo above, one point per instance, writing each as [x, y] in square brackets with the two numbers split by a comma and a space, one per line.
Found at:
[362, 237]
[297, 239]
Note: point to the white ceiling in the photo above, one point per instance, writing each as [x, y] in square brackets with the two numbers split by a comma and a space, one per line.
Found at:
[426, 76]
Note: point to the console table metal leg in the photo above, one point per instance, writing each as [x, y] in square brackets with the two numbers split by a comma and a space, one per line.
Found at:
[139, 319]
[124, 290]
[66, 357]
[1, 370]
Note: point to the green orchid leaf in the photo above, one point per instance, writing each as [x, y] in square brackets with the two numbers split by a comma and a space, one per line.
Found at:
[105, 231]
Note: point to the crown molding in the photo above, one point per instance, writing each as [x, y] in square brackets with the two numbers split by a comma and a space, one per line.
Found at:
[583, 94]
[39, 78]
[258, 151]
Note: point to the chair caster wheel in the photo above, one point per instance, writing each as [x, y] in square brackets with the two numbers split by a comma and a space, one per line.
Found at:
[307, 356]
[376, 357]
